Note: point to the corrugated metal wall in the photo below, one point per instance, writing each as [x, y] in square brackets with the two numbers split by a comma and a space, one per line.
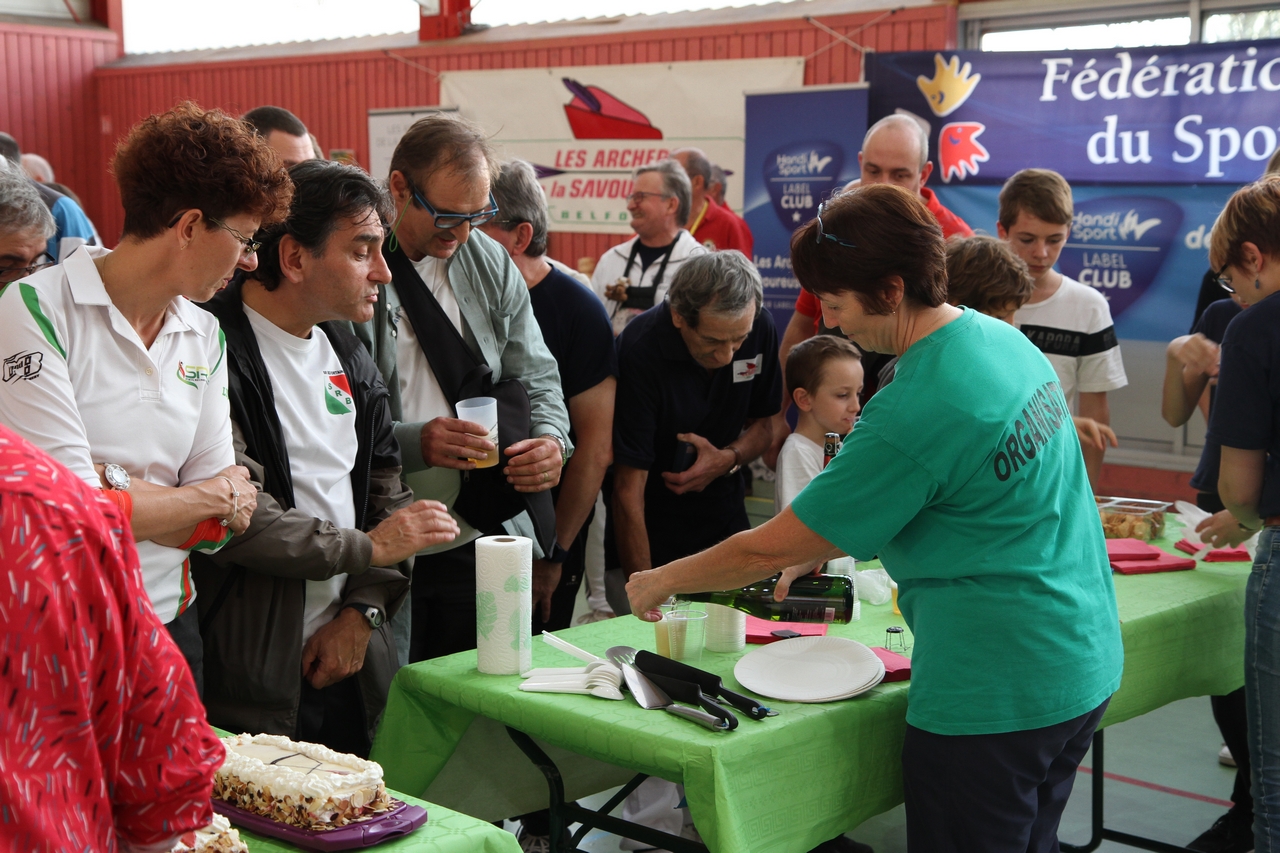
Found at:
[333, 93]
[47, 99]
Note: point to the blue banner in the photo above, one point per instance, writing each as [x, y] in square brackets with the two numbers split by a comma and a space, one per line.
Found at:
[800, 146]
[1204, 113]
[1142, 247]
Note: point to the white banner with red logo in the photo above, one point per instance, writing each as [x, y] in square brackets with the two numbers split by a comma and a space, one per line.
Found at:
[585, 128]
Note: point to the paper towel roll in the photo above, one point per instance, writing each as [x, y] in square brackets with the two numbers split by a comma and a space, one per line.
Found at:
[504, 604]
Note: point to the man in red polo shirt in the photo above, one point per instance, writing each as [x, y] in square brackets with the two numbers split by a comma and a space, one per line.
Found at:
[713, 225]
[894, 151]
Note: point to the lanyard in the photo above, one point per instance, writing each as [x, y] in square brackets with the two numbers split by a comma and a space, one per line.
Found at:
[642, 297]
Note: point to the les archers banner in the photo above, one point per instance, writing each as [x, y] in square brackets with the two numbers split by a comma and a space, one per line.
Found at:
[1195, 114]
[586, 127]
[801, 145]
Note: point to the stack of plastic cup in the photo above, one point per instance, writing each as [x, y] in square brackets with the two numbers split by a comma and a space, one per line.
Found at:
[726, 629]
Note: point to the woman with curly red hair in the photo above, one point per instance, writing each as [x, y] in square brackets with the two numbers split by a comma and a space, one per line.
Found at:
[113, 372]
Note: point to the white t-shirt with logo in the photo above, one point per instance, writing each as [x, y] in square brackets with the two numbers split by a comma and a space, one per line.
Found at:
[77, 381]
[1073, 328]
[318, 423]
[422, 400]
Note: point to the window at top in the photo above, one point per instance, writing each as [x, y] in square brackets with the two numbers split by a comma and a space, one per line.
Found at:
[1242, 26]
[1097, 36]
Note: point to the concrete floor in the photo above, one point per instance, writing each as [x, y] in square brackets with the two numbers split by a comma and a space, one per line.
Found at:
[1174, 748]
[1171, 789]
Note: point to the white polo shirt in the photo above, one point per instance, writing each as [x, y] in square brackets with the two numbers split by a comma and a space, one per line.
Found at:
[77, 381]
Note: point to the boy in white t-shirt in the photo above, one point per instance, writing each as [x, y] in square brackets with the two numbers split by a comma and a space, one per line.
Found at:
[824, 378]
[1069, 322]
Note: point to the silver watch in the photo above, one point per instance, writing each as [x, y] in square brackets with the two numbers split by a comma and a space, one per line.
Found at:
[564, 450]
[117, 478]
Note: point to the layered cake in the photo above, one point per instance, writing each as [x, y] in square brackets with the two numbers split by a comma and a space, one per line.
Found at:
[217, 837]
[302, 784]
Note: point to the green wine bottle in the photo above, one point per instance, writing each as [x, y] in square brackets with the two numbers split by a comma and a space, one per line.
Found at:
[812, 598]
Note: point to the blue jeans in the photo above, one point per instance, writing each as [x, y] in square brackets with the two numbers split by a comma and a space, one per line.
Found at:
[1262, 688]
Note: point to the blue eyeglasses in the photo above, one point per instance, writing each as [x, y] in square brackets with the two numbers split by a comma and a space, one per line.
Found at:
[453, 220]
[823, 235]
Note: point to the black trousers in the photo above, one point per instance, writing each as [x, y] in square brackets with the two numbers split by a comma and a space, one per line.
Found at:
[1229, 714]
[566, 594]
[1001, 793]
[185, 632]
[444, 603]
[335, 717]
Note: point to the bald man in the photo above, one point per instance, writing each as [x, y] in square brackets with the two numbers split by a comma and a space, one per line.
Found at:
[895, 151]
[714, 226]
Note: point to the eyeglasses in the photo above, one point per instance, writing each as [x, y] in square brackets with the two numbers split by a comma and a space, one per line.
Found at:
[248, 246]
[639, 195]
[823, 235]
[448, 220]
[14, 273]
[1224, 279]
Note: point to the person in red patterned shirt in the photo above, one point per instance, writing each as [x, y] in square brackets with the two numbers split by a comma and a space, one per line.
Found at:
[103, 742]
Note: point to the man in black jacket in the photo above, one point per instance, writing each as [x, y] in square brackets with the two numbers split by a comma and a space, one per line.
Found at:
[295, 631]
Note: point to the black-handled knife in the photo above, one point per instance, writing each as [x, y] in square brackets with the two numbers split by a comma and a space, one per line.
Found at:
[690, 693]
[711, 684]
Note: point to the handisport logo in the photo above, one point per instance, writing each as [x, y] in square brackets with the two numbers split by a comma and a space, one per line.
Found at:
[1119, 243]
[799, 177]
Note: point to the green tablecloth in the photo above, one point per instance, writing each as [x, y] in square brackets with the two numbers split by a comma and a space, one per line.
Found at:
[782, 785]
[446, 831]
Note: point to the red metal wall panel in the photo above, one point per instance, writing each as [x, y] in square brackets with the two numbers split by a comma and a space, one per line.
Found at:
[333, 93]
[47, 99]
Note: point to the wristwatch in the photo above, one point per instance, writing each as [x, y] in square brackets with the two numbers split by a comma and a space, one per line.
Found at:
[564, 450]
[373, 615]
[117, 478]
[737, 461]
[557, 555]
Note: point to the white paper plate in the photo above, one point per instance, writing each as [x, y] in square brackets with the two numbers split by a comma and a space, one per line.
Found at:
[810, 669]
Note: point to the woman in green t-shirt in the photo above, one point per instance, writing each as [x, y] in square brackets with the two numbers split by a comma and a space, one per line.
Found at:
[965, 477]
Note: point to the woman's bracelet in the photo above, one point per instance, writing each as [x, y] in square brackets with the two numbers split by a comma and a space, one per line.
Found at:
[235, 502]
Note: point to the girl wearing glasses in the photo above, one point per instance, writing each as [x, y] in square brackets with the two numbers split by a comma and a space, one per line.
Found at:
[965, 476]
[119, 377]
[1245, 247]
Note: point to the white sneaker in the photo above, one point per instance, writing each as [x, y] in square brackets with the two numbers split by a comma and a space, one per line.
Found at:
[598, 615]
[1225, 758]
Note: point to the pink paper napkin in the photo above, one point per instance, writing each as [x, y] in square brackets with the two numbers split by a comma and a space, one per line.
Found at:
[760, 631]
[1228, 555]
[1131, 549]
[1162, 563]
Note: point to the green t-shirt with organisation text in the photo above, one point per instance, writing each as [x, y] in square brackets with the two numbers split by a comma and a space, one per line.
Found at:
[965, 476]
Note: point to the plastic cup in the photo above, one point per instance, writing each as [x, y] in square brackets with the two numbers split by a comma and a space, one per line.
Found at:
[893, 586]
[661, 636]
[686, 631]
[483, 411]
[726, 629]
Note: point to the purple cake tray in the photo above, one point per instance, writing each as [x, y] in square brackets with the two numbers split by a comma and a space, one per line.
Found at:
[401, 820]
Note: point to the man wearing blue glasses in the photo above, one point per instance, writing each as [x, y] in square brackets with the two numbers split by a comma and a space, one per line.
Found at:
[457, 305]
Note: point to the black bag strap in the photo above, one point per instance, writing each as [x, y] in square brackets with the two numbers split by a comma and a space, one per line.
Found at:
[455, 366]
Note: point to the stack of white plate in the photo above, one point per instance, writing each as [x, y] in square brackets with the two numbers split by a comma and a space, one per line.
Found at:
[726, 629]
[810, 669]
